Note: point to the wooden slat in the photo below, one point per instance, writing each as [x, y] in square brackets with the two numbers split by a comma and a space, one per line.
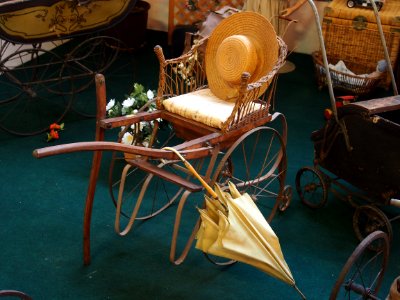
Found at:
[171, 177]
[379, 105]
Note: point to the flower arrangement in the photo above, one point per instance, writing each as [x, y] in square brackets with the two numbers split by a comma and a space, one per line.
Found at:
[138, 100]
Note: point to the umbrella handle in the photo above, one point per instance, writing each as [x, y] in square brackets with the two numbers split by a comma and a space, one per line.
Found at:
[193, 171]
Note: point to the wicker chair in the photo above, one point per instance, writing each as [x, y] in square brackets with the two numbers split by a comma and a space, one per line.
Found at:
[185, 78]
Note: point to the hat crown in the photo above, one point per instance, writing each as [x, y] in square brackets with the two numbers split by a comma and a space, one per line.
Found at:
[236, 54]
[243, 42]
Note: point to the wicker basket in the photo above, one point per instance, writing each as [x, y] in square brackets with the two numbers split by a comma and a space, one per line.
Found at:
[358, 44]
[354, 84]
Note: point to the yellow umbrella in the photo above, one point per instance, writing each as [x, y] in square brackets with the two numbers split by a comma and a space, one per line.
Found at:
[242, 233]
[233, 227]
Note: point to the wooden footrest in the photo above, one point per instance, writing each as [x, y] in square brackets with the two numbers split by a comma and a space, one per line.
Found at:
[171, 177]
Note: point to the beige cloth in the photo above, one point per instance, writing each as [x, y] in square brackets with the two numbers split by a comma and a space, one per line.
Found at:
[201, 106]
[269, 9]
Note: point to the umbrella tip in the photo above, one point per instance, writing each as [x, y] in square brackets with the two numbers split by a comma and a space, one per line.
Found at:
[298, 290]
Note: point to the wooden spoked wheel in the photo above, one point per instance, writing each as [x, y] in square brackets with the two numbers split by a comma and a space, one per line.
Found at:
[138, 185]
[362, 275]
[153, 193]
[99, 54]
[311, 187]
[263, 179]
[367, 219]
[33, 94]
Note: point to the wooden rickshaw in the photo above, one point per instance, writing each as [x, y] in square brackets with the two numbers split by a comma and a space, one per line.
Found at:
[49, 52]
[228, 152]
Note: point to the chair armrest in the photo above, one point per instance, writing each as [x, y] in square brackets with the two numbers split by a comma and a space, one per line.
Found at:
[129, 120]
[182, 74]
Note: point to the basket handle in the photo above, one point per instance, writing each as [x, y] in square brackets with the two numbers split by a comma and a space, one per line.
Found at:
[193, 171]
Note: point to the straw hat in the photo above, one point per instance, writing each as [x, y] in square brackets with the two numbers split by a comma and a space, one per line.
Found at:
[243, 42]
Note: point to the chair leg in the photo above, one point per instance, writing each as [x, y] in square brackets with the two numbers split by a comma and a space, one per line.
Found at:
[96, 162]
[94, 173]
[120, 199]
[172, 256]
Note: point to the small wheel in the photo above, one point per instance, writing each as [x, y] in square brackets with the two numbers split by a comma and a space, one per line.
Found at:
[99, 54]
[363, 272]
[311, 187]
[350, 3]
[33, 94]
[263, 179]
[286, 198]
[367, 219]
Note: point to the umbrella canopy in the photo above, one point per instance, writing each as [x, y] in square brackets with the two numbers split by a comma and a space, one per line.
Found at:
[233, 227]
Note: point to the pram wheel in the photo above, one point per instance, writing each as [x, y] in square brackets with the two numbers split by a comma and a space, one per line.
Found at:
[99, 54]
[367, 219]
[286, 197]
[311, 187]
[33, 94]
[363, 272]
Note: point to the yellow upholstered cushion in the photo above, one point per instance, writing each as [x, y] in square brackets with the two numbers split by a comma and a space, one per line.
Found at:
[201, 106]
[204, 107]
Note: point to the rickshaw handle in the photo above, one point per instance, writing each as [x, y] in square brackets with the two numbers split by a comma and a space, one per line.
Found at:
[193, 171]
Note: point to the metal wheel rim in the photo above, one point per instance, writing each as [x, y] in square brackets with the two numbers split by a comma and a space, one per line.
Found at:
[358, 253]
[312, 187]
[35, 83]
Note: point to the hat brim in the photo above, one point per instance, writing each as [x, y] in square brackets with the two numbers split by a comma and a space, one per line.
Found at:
[257, 28]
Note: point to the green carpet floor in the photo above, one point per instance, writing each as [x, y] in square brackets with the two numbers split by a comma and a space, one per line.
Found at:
[41, 210]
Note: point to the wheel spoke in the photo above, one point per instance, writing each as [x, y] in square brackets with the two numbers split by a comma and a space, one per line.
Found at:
[262, 180]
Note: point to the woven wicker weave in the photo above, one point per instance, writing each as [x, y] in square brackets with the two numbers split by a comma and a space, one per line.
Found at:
[360, 49]
[351, 34]
[356, 85]
[389, 13]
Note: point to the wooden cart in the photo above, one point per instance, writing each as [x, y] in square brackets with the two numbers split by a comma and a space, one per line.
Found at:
[228, 153]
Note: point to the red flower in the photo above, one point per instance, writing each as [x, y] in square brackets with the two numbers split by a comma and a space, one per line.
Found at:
[54, 129]
[56, 126]
[54, 134]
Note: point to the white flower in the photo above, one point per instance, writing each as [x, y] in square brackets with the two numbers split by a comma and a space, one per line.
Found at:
[150, 94]
[145, 143]
[135, 111]
[142, 125]
[128, 102]
[110, 104]
[127, 138]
